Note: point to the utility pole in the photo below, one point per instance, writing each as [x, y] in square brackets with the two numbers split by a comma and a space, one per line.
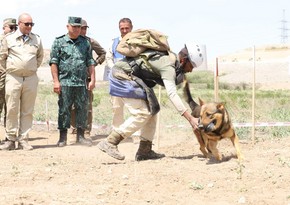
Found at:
[284, 29]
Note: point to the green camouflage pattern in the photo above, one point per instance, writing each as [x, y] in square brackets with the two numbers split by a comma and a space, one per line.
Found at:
[89, 116]
[77, 96]
[72, 59]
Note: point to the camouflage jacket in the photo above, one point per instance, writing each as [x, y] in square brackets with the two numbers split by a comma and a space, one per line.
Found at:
[72, 59]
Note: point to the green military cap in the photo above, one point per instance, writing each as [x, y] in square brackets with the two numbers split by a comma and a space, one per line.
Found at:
[75, 21]
[9, 22]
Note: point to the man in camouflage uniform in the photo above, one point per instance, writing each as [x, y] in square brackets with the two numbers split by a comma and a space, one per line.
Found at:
[71, 61]
[100, 51]
[9, 26]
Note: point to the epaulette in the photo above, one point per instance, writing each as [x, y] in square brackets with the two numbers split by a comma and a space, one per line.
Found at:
[80, 36]
[88, 38]
[7, 34]
[35, 34]
[60, 36]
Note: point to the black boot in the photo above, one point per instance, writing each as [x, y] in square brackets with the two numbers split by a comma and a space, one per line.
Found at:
[62, 138]
[81, 139]
[145, 152]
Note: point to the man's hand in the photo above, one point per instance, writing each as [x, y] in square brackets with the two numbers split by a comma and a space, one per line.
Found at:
[56, 87]
[91, 85]
[192, 120]
[194, 123]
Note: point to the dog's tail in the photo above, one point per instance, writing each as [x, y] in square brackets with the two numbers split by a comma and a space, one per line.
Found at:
[195, 108]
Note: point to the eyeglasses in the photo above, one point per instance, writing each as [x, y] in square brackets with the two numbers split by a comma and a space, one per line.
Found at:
[28, 24]
[14, 28]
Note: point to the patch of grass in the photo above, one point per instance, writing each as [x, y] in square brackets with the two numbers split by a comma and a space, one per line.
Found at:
[270, 106]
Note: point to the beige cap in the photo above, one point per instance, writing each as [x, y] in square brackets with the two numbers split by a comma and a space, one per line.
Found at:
[9, 22]
[84, 23]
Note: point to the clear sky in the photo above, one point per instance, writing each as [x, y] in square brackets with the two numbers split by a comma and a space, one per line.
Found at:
[223, 26]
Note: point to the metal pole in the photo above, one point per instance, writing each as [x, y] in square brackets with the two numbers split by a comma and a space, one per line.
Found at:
[253, 94]
[216, 84]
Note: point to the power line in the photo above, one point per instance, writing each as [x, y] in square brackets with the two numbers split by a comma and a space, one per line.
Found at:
[284, 29]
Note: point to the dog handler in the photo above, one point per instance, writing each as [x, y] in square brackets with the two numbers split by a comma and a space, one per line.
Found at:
[152, 67]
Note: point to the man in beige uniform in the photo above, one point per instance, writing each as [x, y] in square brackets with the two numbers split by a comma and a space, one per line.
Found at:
[21, 54]
[9, 26]
[165, 69]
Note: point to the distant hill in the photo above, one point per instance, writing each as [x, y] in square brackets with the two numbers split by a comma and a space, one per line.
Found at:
[262, 53]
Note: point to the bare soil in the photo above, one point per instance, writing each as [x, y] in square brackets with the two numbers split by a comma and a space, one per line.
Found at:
[84, 175]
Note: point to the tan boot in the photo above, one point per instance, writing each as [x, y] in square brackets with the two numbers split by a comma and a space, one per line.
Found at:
[109, 145]
[8, 145]
[23, 144]
[145, 152]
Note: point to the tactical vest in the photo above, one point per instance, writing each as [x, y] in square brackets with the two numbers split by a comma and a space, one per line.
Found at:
[141, 68]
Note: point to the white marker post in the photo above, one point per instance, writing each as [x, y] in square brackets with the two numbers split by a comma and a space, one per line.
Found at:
[216, 83]
[253, 94]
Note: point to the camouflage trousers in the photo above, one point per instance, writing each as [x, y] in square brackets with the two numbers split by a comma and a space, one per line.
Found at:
[89, 116]
[2, 97]
[77, 96]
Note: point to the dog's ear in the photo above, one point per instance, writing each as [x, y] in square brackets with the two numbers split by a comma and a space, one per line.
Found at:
[220, 106]
[201, 102]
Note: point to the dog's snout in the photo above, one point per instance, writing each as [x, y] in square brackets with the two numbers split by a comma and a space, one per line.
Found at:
[209, 127]
[200, 126]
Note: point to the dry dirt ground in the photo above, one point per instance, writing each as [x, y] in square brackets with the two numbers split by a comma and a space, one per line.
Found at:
[85, 175]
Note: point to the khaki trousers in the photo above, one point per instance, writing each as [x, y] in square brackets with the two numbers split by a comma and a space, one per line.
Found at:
[140, 119]
[20, 95]
[118, 114]
[118, 111]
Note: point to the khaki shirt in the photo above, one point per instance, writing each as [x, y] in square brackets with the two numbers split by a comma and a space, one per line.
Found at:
[18, 57]
[1, 38]
[2, 67]
[99, 50]
[162, 66]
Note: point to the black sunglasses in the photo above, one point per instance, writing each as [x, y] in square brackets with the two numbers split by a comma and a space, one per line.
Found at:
[14, 28]
[28, 24]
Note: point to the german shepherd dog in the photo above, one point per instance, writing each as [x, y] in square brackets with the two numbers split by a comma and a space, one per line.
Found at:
[214, 125]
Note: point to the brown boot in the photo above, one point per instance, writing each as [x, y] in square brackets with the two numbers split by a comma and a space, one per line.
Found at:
[62, 138]
[8, 145]
[23, 144]
[145, 152]
[109, 145]
[81, 139]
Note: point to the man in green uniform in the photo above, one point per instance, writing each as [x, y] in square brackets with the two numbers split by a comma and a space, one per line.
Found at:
[71, 61]
[100, 51]
[9, 26]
